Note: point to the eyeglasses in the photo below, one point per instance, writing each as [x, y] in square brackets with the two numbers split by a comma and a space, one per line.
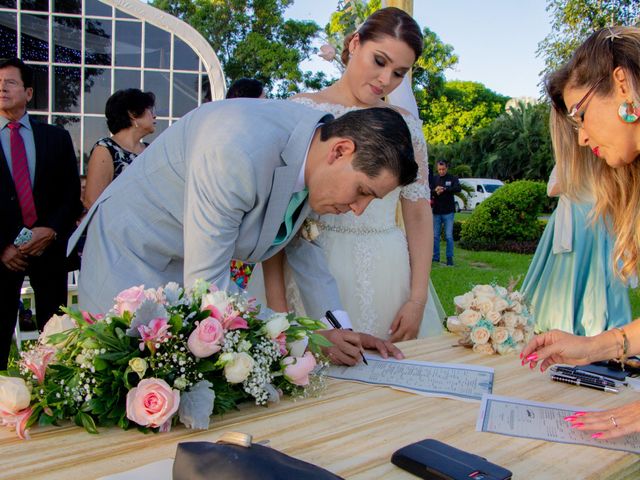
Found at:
[577, 117]
[10, 83]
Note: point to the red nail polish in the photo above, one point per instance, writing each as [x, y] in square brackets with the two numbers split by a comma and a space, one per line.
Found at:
[521, 356]
[533, 357]
[579, 414]
[570, 418]
[531, 366]
[596, 435]
[577, 425]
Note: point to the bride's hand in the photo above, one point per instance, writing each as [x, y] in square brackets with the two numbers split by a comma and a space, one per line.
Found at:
[407, 322]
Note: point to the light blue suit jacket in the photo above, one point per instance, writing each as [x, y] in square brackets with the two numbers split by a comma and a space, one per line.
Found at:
[212, 187]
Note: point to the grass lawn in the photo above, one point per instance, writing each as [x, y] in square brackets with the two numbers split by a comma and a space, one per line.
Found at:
[473, 268]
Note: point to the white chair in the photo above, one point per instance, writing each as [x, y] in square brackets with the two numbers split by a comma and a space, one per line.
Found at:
[72, 288]
[28, 300]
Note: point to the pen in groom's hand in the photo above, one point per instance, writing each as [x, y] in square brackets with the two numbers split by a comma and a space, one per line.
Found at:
[336, 324]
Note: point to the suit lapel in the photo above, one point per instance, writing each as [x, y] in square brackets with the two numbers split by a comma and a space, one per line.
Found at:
[5, 174]
[41, 145]
[284, 179]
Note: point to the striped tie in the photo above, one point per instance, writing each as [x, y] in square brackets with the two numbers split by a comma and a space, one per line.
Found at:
[21, 177]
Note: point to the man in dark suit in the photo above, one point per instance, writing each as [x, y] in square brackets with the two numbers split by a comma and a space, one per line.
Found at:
[39, 191]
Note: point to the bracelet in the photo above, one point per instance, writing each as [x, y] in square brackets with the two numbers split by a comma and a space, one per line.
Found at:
[422, 304]
[625, 347]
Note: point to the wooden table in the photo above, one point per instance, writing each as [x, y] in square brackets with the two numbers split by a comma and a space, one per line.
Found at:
[351, 430]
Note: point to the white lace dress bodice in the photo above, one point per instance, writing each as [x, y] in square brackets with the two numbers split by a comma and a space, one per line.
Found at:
[368, 254]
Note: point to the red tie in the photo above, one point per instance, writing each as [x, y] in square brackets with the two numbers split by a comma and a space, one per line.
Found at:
[21, 177]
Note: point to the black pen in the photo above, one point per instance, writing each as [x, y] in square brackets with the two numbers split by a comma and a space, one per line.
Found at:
[582, 383]
[575, 372]
[336, 324]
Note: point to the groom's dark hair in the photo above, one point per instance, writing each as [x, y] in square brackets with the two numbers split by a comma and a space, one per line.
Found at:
[382, 141]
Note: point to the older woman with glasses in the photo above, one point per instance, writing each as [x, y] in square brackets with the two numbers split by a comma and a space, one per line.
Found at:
[596, 97]
[130, 117]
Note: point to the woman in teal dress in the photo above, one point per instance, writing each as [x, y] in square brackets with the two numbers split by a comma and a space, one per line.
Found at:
[571, 284]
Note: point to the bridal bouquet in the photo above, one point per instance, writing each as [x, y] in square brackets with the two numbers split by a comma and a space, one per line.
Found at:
[492, 319]
[158, 357]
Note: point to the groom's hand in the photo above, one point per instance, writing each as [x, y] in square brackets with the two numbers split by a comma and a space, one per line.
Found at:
[346, 346]
[385, 348]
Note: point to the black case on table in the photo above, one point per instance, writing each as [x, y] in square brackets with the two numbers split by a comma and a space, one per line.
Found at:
[432, 459]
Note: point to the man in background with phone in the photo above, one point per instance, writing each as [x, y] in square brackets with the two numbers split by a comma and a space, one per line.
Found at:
[39, 204]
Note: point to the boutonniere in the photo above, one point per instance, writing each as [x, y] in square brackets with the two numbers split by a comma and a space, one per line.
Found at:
[310, 230]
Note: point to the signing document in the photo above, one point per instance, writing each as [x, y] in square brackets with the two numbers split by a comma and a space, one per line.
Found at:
[542, 421]
[461, 382]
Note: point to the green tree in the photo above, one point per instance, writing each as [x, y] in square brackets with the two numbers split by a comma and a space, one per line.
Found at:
[462, 109]
[574, 20]
[516, 145]
[252, 39]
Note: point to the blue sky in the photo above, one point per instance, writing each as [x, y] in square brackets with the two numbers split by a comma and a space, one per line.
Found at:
[496, 40]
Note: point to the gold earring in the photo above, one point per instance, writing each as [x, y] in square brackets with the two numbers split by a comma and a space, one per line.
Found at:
[135, 124]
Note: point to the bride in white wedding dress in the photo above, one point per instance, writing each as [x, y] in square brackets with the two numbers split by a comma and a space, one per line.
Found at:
[382, 275]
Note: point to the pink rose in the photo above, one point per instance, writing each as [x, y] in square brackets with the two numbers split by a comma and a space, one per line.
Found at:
[297, 369]
[156, 332]
[129, 300]
[206, 339]
[327, 52]
[229, 318]
[152, 403]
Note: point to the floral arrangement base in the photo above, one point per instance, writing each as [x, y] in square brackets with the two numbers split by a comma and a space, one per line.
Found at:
[158, 357]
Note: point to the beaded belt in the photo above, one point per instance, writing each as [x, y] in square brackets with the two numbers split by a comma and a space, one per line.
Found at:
[355, 230]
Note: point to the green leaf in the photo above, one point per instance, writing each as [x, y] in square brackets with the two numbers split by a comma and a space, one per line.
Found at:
[100, 364]
[319, 340]
[84, 420]
[206, 366]
[176, 323]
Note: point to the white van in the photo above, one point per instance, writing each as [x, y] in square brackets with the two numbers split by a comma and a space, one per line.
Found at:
[482, 189]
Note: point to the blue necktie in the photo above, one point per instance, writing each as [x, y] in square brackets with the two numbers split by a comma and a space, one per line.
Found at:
[297, 199]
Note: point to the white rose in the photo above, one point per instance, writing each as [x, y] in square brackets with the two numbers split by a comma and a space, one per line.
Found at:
[484, 291]
[469, 317]
[483, 348]
[454, 325]
[499, 335]
[500, 304]
[510, 320]
[517, 335]
[493, 316]
[238, 369]
[298, 347]
[521, 320]
[463, 302]
[484, 304]
[516, 307]
[218, 299]
[277, 324]
[504, 349]
[503, 292]
[14, 394]
[480, 335]
[516, 297]
[56, 324]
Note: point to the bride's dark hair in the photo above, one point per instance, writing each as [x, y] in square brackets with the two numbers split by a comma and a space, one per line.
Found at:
[390, 21]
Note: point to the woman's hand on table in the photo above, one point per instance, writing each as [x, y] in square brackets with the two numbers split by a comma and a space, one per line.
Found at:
[557, 346]
[607, 424]
[407, 322]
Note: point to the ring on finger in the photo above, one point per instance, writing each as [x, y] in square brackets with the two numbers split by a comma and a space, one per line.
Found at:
[613, 420]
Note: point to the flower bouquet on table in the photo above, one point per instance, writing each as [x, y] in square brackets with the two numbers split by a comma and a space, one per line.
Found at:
[158, 357]
[492, 319]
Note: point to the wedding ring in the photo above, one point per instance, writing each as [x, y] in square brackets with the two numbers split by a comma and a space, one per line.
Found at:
[613, 420]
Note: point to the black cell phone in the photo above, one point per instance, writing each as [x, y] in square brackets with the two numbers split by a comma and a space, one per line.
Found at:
[606, 369]
[432, 459]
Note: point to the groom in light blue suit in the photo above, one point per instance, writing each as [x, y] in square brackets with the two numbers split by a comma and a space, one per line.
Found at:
[236, 179]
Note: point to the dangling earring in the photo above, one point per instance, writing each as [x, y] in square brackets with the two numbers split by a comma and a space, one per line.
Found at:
[135, 124]
[629, 112]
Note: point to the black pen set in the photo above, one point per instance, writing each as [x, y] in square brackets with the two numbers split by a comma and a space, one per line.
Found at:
[573, 376]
